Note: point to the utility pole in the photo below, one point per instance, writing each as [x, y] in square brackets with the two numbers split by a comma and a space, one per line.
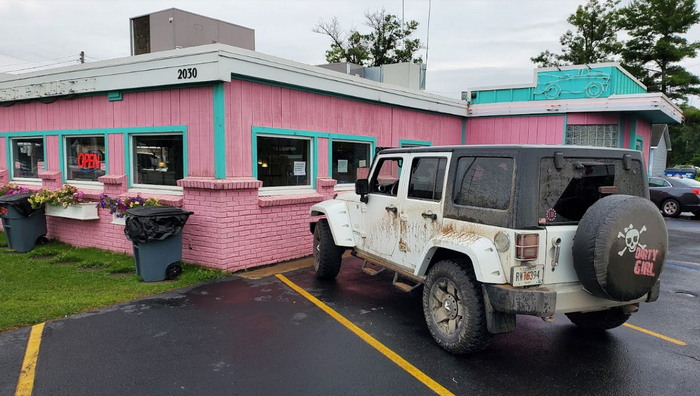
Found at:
[82, 56]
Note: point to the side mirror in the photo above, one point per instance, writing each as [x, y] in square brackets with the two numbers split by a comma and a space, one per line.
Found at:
[362, 189]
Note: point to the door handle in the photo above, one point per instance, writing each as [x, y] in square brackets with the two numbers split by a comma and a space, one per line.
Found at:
[430, 215]
[392, 208]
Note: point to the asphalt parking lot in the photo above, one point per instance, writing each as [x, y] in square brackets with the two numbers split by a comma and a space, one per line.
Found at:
[267, 336]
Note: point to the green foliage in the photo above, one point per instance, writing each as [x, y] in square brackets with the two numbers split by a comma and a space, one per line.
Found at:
[593, 41]
[388, 41]
[56, 280]
[65, 196]
[685, 139]
[655, 28]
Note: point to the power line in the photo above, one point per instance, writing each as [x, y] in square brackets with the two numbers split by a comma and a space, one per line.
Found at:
[40, 66]
[33, 62]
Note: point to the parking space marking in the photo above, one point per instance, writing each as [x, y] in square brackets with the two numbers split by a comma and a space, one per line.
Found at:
[393, 356]
[651, 333]
[25, 383]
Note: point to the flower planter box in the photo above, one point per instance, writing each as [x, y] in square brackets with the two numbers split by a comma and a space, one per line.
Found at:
[81, 211]
[118, 220]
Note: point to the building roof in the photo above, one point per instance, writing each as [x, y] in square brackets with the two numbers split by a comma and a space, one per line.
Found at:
[658, 132]
[214, 63]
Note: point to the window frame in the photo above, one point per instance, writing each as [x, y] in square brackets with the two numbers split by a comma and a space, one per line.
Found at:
[11, 160]
[64, 165]
[440, 160]
[129, 159]
[271, 190]
[371, 141]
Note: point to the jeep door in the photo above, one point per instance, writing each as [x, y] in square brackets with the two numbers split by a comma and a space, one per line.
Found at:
[421, 206]
[381, 214]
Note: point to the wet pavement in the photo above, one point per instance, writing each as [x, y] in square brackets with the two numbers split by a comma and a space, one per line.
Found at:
[259, 337]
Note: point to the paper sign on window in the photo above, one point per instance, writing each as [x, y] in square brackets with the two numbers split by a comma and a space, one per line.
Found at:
[299, 168]
[342, 166]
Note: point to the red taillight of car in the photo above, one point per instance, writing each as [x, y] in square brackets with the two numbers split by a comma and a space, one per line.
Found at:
[526, 246]
[696, 191]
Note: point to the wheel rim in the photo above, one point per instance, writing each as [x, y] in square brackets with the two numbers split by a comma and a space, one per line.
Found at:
[445, 306]
[317, 248]
[670, 207]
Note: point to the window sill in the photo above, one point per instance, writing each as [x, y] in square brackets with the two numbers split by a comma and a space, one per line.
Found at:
[164, 190]
[289, 199]
[297, 190]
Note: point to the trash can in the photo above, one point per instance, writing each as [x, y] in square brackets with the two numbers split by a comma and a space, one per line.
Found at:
[156, 235]
[24, 226]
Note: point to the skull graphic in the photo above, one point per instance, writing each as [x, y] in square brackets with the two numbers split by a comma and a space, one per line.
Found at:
[631, 236]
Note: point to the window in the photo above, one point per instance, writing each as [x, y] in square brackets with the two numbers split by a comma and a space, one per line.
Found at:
[85, 158]
[157, 159]
[427, 176]
[284, 161]
[484, 182]
[27, 157]
[348, 157]
[654, 182]
[592, 135]
[385, 179]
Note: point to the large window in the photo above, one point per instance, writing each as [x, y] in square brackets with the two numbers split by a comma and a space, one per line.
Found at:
[85, 158]
[284, 161]
[27, 157]
[348, 157]
[592, 135]
[157, 159]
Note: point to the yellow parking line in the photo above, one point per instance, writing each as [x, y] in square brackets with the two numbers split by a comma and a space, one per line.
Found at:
[25, 383]
[393, 356]
[651, 333]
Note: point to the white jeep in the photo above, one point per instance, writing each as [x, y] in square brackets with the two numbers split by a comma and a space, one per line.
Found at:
[495, 231]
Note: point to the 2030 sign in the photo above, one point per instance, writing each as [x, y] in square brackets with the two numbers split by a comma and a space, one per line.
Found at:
[186, 74]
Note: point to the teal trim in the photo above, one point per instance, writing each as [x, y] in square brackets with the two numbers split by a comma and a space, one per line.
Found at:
[115, 96]
[633, 133]
[97, 131]
[566, 128]
[351, 138]
[621, 131]
[219, 131]
[8, 160]
[464, 131]
[403, 142]
[46, 162]
[639, 147]
[127, 159]
[62, 160]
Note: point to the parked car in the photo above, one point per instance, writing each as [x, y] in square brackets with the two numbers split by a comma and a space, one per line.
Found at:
[674, 195]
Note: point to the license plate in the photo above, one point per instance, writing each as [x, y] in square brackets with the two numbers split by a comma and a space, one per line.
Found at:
[527, 276]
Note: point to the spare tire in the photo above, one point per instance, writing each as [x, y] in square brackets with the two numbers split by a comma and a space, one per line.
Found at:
[619, 247]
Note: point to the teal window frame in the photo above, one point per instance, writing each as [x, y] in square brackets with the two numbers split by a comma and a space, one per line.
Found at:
[288, 133]
[9, 156]
[413, 143]
[128, 158]
[62, 137]
[372, 141]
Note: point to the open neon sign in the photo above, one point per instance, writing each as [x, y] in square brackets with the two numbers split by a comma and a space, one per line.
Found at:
[89, 160]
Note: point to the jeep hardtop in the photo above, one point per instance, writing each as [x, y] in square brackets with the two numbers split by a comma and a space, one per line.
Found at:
[491, 231]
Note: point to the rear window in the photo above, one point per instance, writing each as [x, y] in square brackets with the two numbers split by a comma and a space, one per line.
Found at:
[484, 182]
[566, 194]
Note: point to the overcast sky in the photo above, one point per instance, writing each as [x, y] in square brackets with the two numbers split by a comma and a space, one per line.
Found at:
[472, 43]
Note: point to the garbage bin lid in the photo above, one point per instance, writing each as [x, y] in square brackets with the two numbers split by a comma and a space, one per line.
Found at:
[14, 199]
[157, 211]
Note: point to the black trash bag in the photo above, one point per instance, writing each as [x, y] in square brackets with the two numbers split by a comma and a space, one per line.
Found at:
[154, 223]
[19, 202]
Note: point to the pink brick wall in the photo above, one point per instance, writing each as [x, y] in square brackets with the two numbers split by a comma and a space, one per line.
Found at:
[89, 233]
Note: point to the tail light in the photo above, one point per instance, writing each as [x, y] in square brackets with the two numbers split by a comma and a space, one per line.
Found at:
[526, 246]
[696, 191]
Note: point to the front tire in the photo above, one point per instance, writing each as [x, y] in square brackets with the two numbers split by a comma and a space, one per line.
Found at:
[671, 208]
[327, 256]
[599, 320]
[453, 305]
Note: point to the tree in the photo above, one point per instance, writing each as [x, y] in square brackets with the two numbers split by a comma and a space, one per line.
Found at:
[388, 41]
[656, 45]
[685, 139]
[595, 38]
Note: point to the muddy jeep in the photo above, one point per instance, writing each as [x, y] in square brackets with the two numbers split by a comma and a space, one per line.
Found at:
[496, 231]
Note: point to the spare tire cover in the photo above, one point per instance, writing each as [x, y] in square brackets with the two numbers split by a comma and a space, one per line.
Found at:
[619, 247]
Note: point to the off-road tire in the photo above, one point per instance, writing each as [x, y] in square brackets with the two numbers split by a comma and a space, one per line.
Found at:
[671, 208]
[599, 320]
[327, 256]
[453, 305]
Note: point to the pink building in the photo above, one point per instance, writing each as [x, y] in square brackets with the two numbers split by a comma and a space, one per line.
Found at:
[248, 141]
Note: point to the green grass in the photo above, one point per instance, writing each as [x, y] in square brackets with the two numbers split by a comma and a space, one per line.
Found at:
[56, 280]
